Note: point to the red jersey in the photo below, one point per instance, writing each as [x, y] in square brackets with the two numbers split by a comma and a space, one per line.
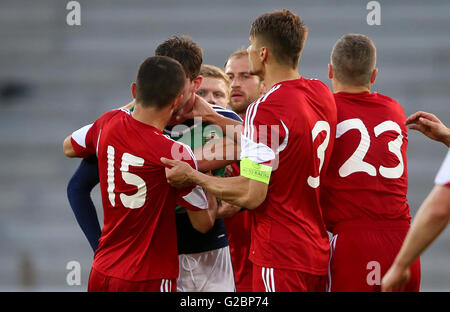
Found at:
[292, 127]
[239, 233]
[367, 177]
[139, 240]
[443, 176]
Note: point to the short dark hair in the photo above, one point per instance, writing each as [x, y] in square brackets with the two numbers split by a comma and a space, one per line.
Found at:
[185, 51]
[284, 32]
[353, 59]
[159, 81]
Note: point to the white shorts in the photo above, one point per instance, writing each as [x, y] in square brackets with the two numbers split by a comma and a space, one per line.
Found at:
[209, 271]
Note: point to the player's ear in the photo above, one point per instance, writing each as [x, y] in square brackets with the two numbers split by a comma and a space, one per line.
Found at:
[263, 54]
[330, 71]
[133, 89]
[176, 102]
[197, 82]
[374, 75]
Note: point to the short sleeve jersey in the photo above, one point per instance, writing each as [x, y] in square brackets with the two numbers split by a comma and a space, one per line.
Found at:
[367, 177]
[138, 240]
[292, 129]
[443, 176]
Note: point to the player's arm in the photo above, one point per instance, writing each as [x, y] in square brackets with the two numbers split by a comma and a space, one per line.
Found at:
[430, 126]
[79, 190]
[68, 149]
[82, 143]
[239, 191]
[226, 210]
[431, 219]
[230, 127]
[217, 154]
[203, 220]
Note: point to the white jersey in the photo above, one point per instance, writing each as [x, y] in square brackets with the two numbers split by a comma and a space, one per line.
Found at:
[443, 175]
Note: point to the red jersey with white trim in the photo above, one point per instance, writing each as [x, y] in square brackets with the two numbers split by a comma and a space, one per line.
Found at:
[443, 175]
[292, 128]
[239, 238]
[139, 240]
[367, 177]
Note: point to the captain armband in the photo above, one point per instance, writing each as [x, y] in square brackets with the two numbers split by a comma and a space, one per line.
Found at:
[253, 170]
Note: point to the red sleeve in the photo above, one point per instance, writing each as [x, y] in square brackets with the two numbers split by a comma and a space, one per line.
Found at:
[85, 140]
[82, 140]
[264, 135]
[193, 197]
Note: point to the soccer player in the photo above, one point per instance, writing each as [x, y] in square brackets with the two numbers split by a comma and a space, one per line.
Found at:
[213, 245]
[215, 86]
[205, 262]
[245, 89]
[286, 142]
[138, 244]
[364, 189]
[433, 215]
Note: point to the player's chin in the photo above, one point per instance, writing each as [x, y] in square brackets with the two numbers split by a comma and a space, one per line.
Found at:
[237, 101]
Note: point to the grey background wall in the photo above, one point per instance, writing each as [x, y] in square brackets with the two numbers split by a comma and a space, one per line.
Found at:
[55, 78]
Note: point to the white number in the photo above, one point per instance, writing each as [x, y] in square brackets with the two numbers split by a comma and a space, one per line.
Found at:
[356, 162]
[320, 126]
[136, 200]
[394, 147]
[110, 174]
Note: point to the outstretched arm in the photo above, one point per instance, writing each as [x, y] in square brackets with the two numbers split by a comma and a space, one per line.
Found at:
[430, 126]
[239, 191]
[431, 219]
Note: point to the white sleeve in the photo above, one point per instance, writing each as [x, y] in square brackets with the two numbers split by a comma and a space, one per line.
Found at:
[443, 175]
[79, 135]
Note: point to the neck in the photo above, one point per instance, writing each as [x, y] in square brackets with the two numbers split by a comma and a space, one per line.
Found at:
[276, 73]
[157, 118]
[338, 87]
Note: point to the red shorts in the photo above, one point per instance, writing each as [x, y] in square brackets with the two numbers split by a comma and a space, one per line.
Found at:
[280, 280]
[99, 282]
[362, 252]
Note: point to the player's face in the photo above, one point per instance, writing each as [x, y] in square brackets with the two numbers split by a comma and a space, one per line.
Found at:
[215, 91]
[245, 88]
[256, 66]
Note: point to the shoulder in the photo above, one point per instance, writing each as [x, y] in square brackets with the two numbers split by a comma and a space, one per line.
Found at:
[392, 103]
[113, 113]
[226, 112]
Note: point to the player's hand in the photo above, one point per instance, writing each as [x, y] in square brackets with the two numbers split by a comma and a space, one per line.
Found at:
[395, 279]
[227, 210]
[201, 108]
[179, 175]
[430, 126]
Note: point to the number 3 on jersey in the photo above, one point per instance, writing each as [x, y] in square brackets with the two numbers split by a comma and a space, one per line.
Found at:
[320, 126]
[136, 200]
